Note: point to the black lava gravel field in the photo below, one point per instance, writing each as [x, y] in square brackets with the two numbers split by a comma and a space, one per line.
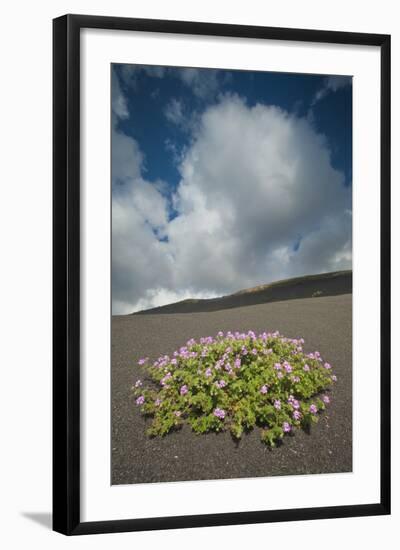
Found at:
[326, 325]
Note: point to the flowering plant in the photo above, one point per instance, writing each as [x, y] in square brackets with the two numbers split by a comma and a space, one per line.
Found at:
[236, 381]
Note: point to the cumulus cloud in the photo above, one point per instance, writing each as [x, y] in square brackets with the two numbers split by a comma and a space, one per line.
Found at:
[258, 201]
[331, 84]
[253, 180]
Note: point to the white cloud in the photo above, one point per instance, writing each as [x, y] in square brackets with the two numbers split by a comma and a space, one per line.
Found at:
[119, 105]
[174, 112]
[139, 219]
[130, 74]
[336, 82]
[178, 114]
[254, 181]
[126, 158]
[160, 296]
[203, 83]
[331, 84]
[139, 259]
[176, 152]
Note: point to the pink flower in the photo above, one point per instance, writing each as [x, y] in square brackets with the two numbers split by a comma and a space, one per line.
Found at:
[164, 380]
[177, 413]
[219, 413]
[313, 409]
[208, 372]
[296, 415]
[140, 400]
[287, 366]
[264, 389]
[295, 404]
[138, 383]
[286, 427]
[143, 360]
[326, 399]
[238, 362]
[327, 366]
[183, 390]
[277, 366]
[306, 368]
[277, 404]
[334, 377]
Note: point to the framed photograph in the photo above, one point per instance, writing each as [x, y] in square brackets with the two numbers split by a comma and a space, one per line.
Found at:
[221, 274]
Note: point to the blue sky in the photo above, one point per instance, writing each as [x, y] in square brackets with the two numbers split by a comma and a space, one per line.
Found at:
[225, 179]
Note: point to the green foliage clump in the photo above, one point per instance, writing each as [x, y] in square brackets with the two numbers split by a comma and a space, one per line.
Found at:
[234, 382]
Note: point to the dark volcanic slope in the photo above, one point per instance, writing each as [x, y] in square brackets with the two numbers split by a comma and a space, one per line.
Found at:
[324, 284]
[324, 322]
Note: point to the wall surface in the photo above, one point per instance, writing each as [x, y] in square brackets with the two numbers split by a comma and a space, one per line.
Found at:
[25, 218]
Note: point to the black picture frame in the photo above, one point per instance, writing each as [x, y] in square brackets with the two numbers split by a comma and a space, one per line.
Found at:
[66, 273]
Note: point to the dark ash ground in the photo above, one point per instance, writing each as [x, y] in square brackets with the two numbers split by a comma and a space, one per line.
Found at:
[326, 325]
